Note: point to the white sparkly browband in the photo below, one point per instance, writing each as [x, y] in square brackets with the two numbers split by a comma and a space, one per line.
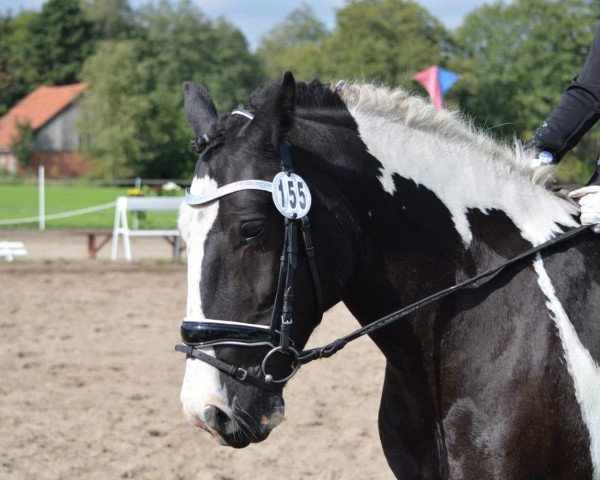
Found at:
[243, 113]
[263, 185]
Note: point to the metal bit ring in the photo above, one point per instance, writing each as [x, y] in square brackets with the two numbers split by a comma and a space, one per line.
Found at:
[291, 352]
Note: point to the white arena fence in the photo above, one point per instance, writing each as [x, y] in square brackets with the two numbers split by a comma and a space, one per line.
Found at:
[54, 216]
[41, 218]
[99, 182]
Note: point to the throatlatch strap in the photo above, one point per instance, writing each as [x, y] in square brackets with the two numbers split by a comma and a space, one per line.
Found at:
[312, 264]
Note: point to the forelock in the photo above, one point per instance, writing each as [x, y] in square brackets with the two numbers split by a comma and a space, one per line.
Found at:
[221, 132]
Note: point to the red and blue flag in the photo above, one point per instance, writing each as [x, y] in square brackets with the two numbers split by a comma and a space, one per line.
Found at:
[437, 82]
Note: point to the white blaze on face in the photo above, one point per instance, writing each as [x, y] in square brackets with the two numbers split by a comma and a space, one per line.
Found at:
[201, 385]
[580, 364]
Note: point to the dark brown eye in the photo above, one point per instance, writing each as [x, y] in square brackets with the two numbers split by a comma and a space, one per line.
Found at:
[252, 229]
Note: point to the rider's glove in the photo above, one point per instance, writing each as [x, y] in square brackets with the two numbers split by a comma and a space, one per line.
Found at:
[544, 158]
[589, 201]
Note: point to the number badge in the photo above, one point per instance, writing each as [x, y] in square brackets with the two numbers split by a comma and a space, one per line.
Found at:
[291, 195]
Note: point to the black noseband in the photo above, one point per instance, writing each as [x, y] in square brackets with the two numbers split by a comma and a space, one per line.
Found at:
[213, 332]
[240, 374]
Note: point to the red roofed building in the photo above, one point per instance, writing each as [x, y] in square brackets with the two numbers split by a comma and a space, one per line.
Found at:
[53, 114]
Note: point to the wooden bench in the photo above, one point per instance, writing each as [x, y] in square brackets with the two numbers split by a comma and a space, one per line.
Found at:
[9, 250]
[93, 236]
[143, 204]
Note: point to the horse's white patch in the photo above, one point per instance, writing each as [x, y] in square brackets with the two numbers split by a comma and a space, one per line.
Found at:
[580, 364]
[201, 385]
[464, 170]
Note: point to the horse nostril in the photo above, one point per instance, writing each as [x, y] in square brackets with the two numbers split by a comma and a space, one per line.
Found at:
[216, 418]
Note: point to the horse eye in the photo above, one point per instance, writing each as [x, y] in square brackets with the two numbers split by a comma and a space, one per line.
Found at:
[252, 229]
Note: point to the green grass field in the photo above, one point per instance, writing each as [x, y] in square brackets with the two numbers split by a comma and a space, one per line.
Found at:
[20, 201]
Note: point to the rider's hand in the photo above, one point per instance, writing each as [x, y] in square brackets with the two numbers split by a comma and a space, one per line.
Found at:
[543, 159]
[589, 201]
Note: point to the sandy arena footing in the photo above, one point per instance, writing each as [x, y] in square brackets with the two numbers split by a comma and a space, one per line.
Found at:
[90, 380]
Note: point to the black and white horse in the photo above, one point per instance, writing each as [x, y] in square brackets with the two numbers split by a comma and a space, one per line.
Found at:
[500, 380]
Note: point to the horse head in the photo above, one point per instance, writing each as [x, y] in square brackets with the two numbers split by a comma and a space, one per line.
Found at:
[239, 245]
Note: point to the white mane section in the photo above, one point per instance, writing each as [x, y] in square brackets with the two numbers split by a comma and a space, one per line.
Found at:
[462, 166]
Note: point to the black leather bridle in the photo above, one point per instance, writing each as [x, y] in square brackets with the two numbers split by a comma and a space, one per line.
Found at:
[200, 334]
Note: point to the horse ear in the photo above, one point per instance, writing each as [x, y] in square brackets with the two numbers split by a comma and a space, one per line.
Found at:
[276, 116]
[287, 103]
[200, 110]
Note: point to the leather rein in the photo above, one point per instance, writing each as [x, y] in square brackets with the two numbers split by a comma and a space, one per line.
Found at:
[328, 350]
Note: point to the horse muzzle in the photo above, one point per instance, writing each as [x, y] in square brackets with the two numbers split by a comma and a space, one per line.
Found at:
[236, 428]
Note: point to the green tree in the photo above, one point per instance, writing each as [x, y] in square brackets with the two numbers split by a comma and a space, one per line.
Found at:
[7, 76]
[516, 59]
[111, 19]
[133, 110]
[115, 108]
[186, 45]
[294, 44]
[23, 145]
[17, 75]
[60, 39]
[383, 40]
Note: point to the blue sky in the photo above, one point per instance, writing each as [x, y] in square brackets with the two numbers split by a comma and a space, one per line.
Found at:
[256, 17]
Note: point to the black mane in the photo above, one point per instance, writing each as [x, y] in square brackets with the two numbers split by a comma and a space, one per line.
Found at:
[227, 126]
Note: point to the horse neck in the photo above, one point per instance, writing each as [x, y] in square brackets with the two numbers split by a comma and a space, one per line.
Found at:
[432, 199]
[439, 209]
